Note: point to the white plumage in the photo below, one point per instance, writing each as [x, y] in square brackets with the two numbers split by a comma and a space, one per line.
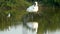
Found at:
[33, 8]
[33, 25]
[8, 15]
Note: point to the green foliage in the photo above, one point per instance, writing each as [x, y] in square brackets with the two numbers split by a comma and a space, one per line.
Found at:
[15, 7]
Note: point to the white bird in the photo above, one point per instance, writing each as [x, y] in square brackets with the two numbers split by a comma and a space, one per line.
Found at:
[33, 25]
[33, 8]
[9, 15]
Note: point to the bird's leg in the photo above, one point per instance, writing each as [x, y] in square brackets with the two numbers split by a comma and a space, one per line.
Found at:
[39, 13]
[28, 16]
[32, 16]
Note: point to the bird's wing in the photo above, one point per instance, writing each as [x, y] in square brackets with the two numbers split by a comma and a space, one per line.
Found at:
[30, 8]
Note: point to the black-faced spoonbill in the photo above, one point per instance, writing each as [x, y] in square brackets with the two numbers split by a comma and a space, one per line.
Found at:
[33, 8]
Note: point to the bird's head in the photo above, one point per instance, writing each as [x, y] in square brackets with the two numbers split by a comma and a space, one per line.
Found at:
[36, 3]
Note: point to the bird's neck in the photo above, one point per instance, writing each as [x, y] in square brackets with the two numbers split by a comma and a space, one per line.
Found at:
[36, 4]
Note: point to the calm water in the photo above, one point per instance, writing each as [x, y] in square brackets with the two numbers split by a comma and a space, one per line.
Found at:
[13, 30]
[19, 29]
